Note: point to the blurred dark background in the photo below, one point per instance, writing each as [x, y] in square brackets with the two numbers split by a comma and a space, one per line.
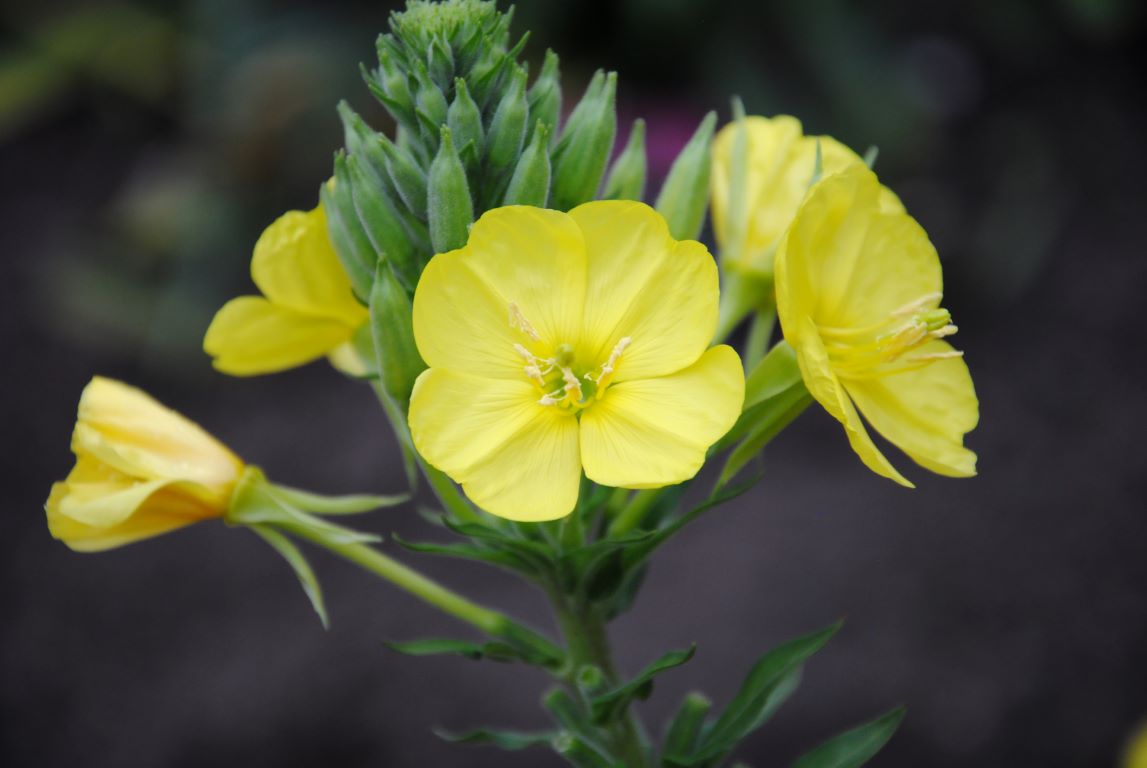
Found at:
[144, 146]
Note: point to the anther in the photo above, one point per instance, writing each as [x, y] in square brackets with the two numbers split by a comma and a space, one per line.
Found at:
[519, 321]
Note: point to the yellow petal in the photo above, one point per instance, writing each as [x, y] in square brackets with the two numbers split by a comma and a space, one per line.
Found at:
[127, 430]
[643, 284]
[781, 162]
[513, 457]
[295, 266]
[530, 258]
[925, 412]
[87, 519]
[826, 388]
[250, 335]
[654, 432]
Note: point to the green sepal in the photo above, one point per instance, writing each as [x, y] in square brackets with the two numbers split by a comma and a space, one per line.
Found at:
[626, 179]
[355, 251]
[492, 651]
[451, 209]
[611, 705]
[580, 155]
[769, 683]
[352, 504]
[685, 728]
[870, 156]
[855, 747]
[530, 184]
[299, 565]
[545, 95]
[684, 195]
[737, 217]
[392, 327]
[511, 741]
[464, 119]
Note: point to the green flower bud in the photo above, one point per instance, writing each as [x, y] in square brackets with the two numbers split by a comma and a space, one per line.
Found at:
[391, 323]
[545, 94]
[626, 179]
[464, 118]
[530, 184]
[351, 244]
[409, 179]
[684, 195]
[440, 63]
[581, 154]
[379, 219]
[450, 207]
[430, 100]
[508, 127]
[365, 144]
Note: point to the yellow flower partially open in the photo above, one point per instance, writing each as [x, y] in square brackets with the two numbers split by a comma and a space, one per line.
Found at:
[141, 470]
[858, 296]
[560, 341]
[781, 161]
[307, 309]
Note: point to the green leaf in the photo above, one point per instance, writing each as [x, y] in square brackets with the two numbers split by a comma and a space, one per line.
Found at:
[477, 553]
[772, 679]
[684, 195]
[611, 705]
[512, 741]
[855, 747]
[685, 728]
[777, 372]
[764, 422]
[299, 565]
[493, 651]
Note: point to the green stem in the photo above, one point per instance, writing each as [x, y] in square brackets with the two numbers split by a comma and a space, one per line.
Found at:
[587, 643]
[760, 333]
[632, 515]
[429, 591]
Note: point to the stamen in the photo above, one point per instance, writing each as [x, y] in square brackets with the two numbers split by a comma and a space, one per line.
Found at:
[519, 321]
[607, 368]
[913, 307]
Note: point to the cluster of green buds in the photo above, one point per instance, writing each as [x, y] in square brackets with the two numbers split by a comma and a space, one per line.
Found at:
[474, 133]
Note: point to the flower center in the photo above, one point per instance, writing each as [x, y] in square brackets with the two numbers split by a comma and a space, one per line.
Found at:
[892, 345]
[562, 379]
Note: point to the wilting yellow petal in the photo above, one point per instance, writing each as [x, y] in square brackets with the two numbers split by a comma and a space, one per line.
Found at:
[649, 433]
[644, 285]
[925, 412]
[129, 431]
[295, 266]
[250, 335]
[825, 387]
[520, 279]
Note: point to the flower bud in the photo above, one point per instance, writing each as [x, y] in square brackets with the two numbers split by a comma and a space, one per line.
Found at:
[430, 101]
[409, 179]
[581, 154]
[391, 320]
[465, 119]
[450, 207]
[141, 470]
[545, 95]
[530, 184]
[440, 63]
[684, 194]
[379, 219]
[508, 126]
[626, 179]
[352, 246]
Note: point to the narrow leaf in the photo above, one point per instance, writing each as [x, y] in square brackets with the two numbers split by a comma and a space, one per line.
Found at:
[299, 565]
[512, 741]
[610, 705]
[855, 747]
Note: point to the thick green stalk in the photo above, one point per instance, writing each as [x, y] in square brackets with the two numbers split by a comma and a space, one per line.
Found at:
[634, 512]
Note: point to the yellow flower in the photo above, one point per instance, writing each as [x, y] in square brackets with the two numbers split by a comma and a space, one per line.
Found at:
[307, 309]
[141, 470]
[1136, 753]
[858, 296]
[780, 162]
[560, 341]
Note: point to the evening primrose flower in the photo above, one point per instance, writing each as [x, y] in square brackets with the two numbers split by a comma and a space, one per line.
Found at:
[141, 470]
[779, 165]
[307, 309]
[560, 342]
[858, 296]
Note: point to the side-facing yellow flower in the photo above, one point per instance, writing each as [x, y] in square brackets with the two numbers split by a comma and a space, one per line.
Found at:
[307, 309]
[858, 296]
[141, 470]
[558, 342]
[1135, 755]
[779, 165]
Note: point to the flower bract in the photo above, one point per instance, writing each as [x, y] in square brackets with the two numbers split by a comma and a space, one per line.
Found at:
[560, 342]
[141, 470]
[858, 296]
[307, 309]
[780, 161]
